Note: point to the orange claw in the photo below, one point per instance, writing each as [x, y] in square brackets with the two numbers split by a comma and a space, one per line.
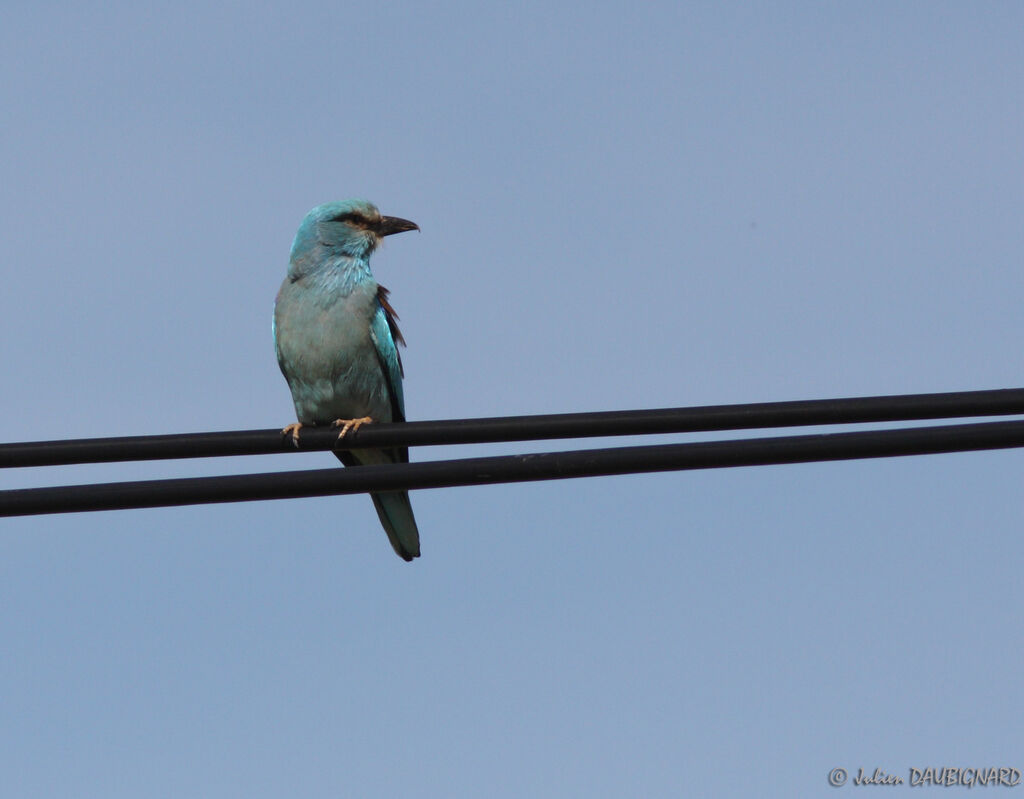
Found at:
[293, 430]
[350, 424]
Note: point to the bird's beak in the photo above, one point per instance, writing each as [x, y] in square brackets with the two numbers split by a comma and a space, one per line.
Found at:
[392, 224]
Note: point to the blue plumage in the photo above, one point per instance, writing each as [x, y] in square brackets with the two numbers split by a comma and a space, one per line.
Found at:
[337, 342]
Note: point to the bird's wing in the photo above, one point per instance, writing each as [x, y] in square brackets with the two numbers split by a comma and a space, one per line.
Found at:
[277, 344]
[386, 337]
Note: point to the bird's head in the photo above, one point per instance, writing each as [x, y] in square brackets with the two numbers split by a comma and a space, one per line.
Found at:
[351, 228]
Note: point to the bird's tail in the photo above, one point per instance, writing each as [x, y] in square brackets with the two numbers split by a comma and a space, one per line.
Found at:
[395, 512]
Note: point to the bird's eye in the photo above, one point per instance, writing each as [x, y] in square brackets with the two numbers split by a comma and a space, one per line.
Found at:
[354, 219]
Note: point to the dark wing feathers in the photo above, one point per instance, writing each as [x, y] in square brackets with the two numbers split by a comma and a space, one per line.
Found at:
[392, 317]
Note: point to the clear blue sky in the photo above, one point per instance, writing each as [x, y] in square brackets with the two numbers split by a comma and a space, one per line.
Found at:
[622, 205]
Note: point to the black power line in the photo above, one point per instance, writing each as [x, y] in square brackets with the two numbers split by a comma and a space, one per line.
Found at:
[516, 468]
[525, 428]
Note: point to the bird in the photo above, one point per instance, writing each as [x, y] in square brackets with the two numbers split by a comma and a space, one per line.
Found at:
[336, 338]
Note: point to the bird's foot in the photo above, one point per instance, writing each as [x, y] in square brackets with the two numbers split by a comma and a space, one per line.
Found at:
[350, 424]
[293, 431]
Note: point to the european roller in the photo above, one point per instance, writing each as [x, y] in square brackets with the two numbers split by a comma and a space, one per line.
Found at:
[336, 340]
